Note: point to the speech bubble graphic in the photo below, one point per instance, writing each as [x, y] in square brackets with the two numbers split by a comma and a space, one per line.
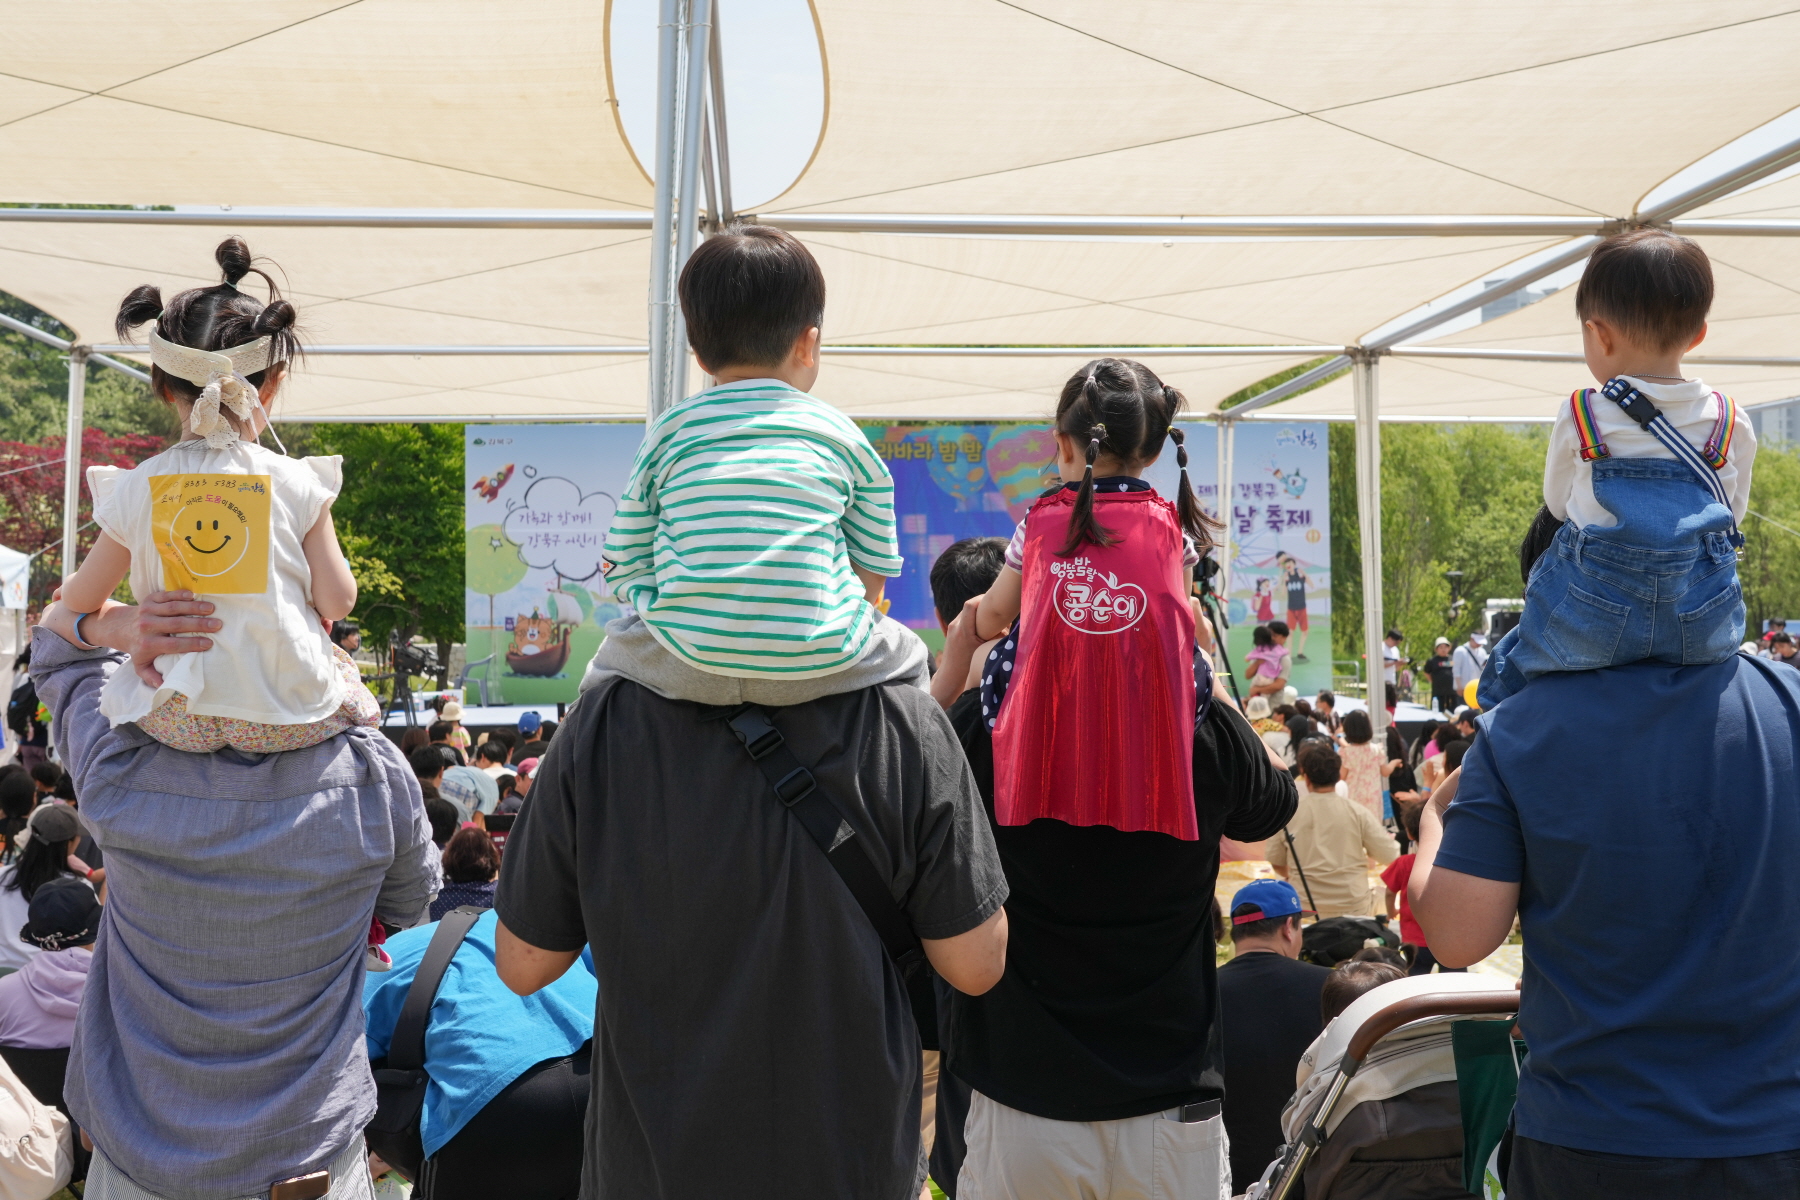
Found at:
[557, 528]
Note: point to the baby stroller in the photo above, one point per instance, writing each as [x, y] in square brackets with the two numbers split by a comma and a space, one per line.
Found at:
[1394, 1103]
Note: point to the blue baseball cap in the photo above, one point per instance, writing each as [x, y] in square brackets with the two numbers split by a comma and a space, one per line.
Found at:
[1272, 897]
[530, 723]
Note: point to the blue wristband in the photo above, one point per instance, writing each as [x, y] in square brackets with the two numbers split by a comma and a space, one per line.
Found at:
[79, 640]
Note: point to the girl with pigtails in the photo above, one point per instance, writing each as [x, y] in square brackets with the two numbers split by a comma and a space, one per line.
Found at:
[1110, 774]
[1097, 668]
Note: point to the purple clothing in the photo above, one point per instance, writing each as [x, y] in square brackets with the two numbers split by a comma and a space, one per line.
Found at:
[39, 1000]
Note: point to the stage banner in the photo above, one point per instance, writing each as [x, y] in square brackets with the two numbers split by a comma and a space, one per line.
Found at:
[953, 481]
[538, 500]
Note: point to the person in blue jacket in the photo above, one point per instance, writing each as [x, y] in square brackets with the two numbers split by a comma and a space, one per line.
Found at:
[504, 1110]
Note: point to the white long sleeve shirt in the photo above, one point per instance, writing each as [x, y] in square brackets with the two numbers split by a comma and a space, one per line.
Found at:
[1691, 408]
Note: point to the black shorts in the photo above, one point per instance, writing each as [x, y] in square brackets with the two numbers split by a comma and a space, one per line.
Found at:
[525, 1144]
[1541, 1171]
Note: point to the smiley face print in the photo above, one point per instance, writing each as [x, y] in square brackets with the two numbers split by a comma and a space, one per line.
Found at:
[213, 531]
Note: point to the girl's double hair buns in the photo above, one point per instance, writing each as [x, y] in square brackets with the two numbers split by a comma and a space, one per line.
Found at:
[214, 318]
[1119, 408]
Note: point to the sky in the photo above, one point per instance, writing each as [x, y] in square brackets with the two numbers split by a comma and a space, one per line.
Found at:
[774, 89]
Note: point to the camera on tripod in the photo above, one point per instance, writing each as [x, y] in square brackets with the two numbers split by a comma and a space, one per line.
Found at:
[413, 660]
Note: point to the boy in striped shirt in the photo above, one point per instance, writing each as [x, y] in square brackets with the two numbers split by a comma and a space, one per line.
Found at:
[757, 530]
[1647, 475]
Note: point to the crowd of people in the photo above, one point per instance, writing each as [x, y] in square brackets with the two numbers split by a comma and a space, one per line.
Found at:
[778, 856]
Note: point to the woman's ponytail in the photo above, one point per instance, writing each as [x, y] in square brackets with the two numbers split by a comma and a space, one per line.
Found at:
[1083, 525]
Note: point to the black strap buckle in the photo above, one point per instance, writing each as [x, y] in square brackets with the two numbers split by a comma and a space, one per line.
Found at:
[795, 786]
[759, 737]
[1637, 406]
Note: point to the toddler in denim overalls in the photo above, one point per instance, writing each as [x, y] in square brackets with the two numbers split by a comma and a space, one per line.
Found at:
[1659, 581]
[1650, 474]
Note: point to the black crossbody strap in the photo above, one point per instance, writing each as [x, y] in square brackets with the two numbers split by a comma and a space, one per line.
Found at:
[406, 1049]
[824, 821]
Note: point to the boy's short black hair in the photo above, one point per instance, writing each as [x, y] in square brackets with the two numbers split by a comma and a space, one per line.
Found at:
[1320, 764]
[747, 293]
[1538, 538]
[1349, 980]
[47, 773]
[1279, 628]
[963, 571]
[443, 817]
[1409, 812]
[440, 731]
[493, 750]
[1656, 286]
[427, 762]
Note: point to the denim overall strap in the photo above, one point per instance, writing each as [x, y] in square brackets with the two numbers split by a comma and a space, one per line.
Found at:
[1638, 407]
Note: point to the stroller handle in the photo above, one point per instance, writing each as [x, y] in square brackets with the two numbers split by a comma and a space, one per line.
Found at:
[1403, 1012]
[1415, 1008]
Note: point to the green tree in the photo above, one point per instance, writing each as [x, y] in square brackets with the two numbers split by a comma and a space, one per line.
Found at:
[1452, 498]
[34, 387]
[1770, 570]
[401, 514]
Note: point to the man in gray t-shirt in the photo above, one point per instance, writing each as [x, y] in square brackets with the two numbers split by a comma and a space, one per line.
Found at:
[752, 1038]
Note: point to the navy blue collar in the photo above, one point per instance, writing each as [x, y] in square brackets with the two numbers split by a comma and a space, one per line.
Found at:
[1115, 483]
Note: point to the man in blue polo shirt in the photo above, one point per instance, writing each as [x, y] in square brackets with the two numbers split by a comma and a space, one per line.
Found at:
[1644, 823]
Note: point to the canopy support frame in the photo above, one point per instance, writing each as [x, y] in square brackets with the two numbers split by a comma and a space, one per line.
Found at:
[1366, 378]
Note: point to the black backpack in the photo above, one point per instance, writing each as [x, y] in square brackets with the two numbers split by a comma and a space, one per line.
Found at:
[21, 710]
[400, 1078]
[1331, 941]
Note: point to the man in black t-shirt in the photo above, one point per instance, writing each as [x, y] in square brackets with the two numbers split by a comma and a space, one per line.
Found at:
[1269, 1008]
[753, 1039]
[1105, 1020]
[1440, 668]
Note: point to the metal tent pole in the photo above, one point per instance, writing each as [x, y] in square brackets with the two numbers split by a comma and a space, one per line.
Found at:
[687, 205]
[78, 360]
[1227, 480]
[668, 180]
[715, 63]
[1365, 378]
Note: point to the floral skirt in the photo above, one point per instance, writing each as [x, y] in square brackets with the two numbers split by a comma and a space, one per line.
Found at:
[171, 724]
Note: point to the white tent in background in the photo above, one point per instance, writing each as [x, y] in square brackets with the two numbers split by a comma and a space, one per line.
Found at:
[999, 191]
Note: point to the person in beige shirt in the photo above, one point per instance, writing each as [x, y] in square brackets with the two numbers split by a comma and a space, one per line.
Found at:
[1334, 836]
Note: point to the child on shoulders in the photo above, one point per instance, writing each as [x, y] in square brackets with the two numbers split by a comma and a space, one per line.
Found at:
[757, 531]
[219, 515]
[1092, 691]
[1650, 475]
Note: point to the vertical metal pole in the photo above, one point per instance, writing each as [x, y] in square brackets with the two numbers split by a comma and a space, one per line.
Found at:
[687, 216]
[1365, 379]
[1227, 483]
[715, 61]
[667, 168]
[78, 358]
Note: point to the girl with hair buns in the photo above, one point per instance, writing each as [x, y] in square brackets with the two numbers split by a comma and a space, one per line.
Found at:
[1098, 655]
[219, 515]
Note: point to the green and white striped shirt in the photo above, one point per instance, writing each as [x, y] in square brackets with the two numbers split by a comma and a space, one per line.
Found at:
[734, 538]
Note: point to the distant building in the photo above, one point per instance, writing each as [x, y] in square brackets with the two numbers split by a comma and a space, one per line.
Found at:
[1778, 422]
[1522, 298]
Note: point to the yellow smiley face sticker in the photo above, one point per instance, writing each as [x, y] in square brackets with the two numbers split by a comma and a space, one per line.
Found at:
[212, 531]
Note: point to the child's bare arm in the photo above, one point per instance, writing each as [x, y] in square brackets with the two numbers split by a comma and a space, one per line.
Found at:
[101, 571]
[1392, 909]
[1000, 605]
[333, 586]
[873, 584]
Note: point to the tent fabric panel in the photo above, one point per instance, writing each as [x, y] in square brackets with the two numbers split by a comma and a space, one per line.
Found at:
[461, 103]
[1217, 108]
[1491, 390]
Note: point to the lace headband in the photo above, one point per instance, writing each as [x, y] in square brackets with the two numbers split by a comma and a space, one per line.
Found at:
[220, 375]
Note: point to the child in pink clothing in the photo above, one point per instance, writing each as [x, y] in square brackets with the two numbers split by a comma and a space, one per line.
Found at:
[1364, 765]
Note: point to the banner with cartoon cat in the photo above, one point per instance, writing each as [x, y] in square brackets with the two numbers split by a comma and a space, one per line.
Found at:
[537, 502]
[953, 481]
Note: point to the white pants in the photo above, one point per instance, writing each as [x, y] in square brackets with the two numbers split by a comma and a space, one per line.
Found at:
[1016, 1156]
[349, 1179]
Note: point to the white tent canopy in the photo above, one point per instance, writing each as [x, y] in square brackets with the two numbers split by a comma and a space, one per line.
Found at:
[1280, 178]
